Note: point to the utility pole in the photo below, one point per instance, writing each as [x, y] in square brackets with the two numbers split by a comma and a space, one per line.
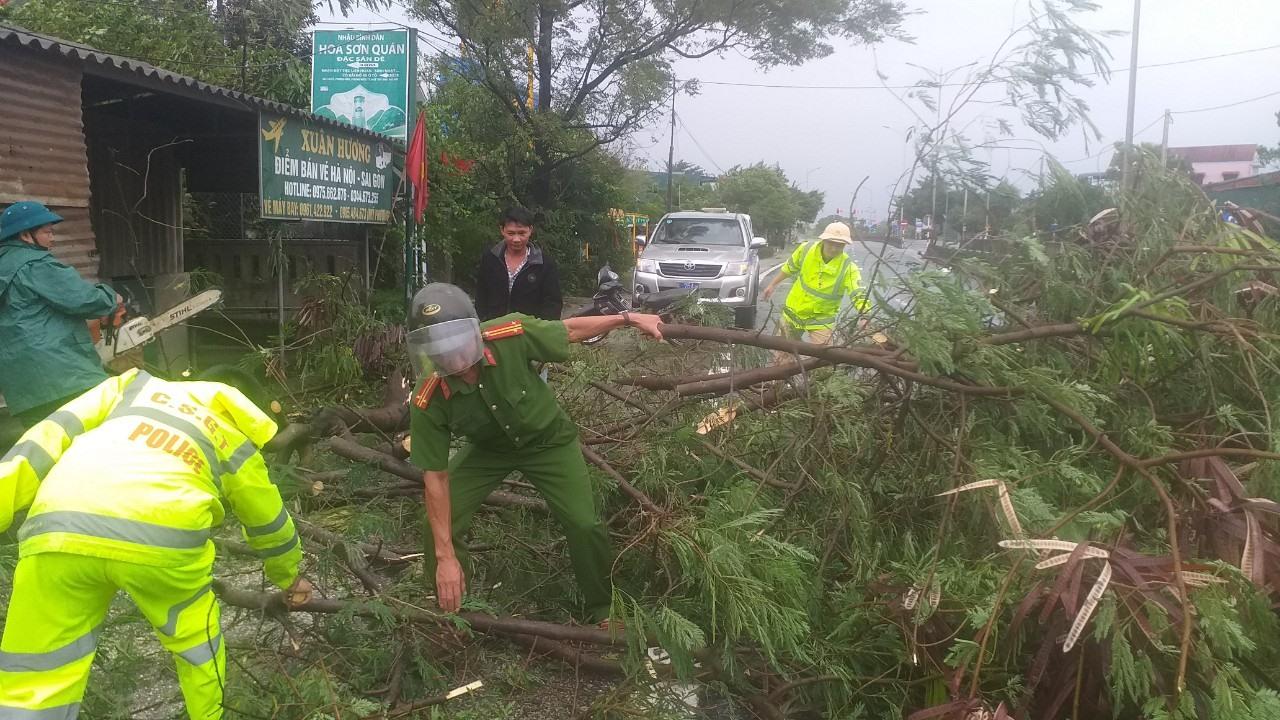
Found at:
[671, 149]
[1164, 139]
[244, 44]
[1126, 153]
[986, 219]
[946, 210]
[937, 149]
[964, 215]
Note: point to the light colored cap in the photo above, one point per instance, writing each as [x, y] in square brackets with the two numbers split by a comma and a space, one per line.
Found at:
[837, 231]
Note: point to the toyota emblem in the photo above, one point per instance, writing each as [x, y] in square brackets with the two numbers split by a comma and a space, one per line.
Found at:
[688, 264]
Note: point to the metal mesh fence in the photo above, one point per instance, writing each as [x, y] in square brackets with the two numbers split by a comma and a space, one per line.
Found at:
[258, 263]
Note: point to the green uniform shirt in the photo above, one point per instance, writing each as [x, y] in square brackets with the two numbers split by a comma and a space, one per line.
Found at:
[509, 410]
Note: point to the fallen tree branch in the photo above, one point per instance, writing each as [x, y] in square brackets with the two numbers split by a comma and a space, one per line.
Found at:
[619, 395]
[671, 382]
[845, 355]
[1035, 332]
[273, 603]
[1210, 452]
[631, 491]
[353, 450]
[1171, 525]
[391, 417]
[574, 658]
[359, 566]
[756, 473]
[742, 380]
[332, 539]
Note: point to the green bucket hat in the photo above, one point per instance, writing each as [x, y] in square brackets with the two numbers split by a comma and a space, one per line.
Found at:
[25, 215]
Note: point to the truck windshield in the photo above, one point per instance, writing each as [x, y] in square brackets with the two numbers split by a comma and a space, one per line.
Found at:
[699, 231]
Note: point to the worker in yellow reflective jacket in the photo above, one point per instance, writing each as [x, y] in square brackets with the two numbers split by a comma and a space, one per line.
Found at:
[824, 275]
[124, 485]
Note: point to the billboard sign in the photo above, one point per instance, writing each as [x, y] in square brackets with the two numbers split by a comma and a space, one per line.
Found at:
[365, 78]
[309, 171]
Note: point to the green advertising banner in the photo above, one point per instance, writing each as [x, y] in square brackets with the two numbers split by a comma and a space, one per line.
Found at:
[365, 78]
[312, 172]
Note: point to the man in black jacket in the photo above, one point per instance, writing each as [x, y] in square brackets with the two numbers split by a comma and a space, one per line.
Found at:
[516, 277]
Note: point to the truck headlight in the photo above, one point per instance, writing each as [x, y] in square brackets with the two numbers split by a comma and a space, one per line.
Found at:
[647, 266]
[737, 268]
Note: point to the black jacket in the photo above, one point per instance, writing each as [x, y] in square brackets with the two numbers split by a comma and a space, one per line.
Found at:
[536, 290]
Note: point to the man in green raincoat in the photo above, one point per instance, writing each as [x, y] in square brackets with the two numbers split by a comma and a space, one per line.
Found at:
[46, 354]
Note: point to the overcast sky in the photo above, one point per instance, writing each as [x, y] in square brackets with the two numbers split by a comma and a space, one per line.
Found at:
[830, 139]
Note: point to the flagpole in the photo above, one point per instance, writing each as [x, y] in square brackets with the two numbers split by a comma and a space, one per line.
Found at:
[410, 228]
[415, 173]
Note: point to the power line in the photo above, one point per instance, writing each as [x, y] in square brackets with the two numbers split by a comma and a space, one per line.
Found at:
[1228, 105]
[786, 86]
[1111, 145]
[698, 144]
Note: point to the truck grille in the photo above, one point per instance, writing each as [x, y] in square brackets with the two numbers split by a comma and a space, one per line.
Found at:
[689, 270]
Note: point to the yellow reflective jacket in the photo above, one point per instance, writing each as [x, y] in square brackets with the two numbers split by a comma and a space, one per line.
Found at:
[137, 469]
[814, 300]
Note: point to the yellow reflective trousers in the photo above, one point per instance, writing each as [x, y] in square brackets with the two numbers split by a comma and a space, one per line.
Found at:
[123, 488]
[56, 613]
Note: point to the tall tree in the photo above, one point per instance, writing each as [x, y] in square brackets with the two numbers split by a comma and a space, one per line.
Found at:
[605, 66]
[1175, 162]
[774, 203]
[992, 205]
[257, 46]
[1270, 156]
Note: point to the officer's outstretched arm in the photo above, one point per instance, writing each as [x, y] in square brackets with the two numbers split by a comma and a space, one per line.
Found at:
[451, 584]
[582, 328]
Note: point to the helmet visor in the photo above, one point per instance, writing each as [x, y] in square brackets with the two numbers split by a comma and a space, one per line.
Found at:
[447, 348]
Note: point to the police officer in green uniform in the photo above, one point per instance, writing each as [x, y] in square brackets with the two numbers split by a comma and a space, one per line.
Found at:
[46, 352]
[476, 381]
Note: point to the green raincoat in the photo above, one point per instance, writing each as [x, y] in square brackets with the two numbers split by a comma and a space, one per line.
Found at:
[45, 349]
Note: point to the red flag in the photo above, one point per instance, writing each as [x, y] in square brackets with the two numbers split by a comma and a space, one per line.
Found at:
[415, 166]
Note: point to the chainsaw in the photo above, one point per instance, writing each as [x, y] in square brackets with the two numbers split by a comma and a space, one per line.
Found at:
[139, 331]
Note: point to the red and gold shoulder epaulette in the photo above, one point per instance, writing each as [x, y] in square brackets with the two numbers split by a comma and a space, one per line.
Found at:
[505, 330]
[422, 397]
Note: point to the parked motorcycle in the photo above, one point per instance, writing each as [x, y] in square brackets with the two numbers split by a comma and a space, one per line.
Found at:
[613, 298]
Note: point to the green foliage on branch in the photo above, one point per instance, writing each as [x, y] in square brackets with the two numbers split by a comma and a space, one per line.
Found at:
[266, 41]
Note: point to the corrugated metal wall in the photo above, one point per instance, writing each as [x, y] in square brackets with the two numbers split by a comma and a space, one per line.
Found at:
[138, 228]
[42, 148]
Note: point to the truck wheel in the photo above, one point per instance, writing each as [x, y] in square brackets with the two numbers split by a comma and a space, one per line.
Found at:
[745, 317]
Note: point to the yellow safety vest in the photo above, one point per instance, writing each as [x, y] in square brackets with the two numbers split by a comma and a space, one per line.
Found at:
[814, 300]
[137, 469]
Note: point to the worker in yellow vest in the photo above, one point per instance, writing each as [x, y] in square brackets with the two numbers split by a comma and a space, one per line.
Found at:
[824, 275]
[124, 486]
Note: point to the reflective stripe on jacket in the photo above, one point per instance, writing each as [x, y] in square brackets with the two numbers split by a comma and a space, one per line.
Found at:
[138, 468]
[814, 300]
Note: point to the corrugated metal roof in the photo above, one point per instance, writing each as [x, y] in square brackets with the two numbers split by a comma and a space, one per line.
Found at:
[1253, 181]
[124, 68]
[1216, 153]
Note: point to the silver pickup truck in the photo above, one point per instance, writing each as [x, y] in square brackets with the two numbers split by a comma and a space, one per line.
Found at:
[712, 251]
